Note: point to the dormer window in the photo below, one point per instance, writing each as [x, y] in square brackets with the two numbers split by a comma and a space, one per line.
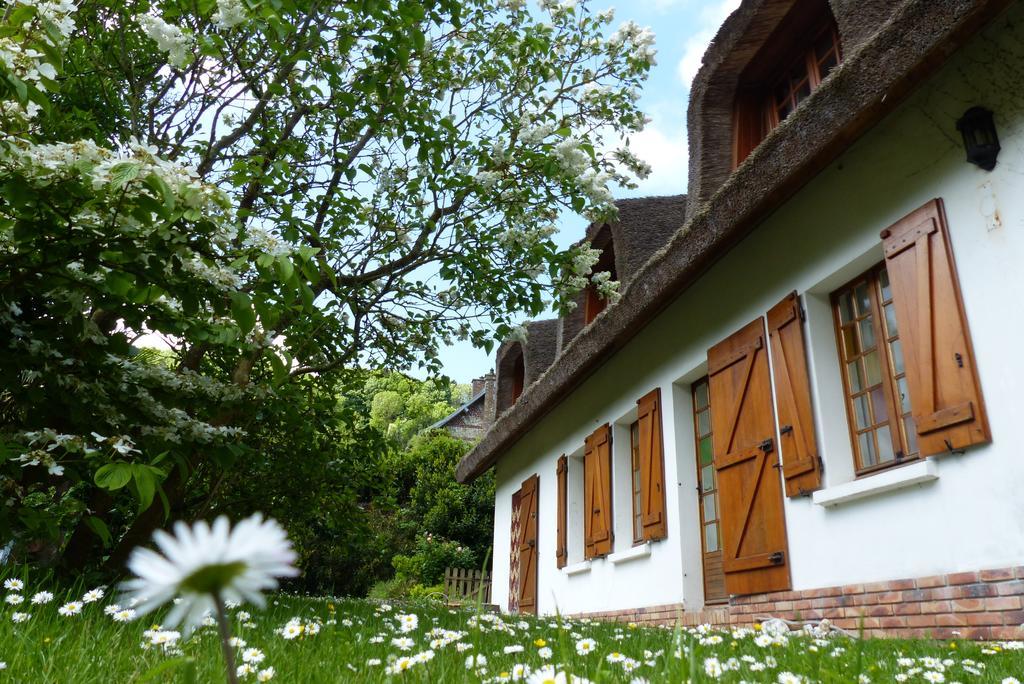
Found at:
[806, 74]
[594, 302]
[518, 377]
[793, 62]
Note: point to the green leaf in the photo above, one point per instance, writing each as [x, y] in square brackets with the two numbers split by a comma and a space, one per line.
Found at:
[145, 484]
[19, 87]
[159, 186]
[123, 173]
[285, 269]
[100, 528]
[113, 476]
[119, 283]
[242, 312]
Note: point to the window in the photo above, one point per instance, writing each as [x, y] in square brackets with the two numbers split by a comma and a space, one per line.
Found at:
[791, 64]
[805, 74]
[874, 373]
[518, 378]
[634, 449]
[707, 486]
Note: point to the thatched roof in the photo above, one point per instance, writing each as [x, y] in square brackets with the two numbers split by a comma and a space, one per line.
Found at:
[883, 67]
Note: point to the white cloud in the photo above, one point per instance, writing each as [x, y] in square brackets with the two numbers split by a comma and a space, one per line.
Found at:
[711, 18]
[666, 152]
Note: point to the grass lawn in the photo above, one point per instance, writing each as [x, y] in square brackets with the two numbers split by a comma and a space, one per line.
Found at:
[330, 640]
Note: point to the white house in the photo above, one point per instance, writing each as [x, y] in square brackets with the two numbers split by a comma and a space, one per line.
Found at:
[807, 401]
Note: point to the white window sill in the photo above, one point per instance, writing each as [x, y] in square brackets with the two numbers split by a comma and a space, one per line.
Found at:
[634, 553]
[925, 470]
[577, 568]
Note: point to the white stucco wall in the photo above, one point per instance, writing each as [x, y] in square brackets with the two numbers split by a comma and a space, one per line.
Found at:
[972, 515]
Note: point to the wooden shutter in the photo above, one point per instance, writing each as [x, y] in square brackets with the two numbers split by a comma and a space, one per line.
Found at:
[561, 548]
[597, 493]
[513, 561]
[528, 546]
[798, 447]
[652, 467]
[945, 394]
[749, 488]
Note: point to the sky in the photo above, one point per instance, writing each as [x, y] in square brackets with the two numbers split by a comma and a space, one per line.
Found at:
[683, 29]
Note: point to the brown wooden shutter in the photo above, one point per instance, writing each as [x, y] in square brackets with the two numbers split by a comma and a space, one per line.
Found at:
[652, 467]
[561, 548]
[945, 394]
[597, 493]
[798, 447]
[749, 488]
[528, 546]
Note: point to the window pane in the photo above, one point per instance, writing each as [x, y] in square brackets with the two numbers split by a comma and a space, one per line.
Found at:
[826, 66]
[856, 374]
[885, 453]
[702, 395]
[636, 480]
[873, 368]
[711, 537]
[710, 509]
[707, 478]
[782, 94]
[824, 45]
[703, 423]
[867, 333]
[706, 453]
[883, 281]
[802, 91]
[890, 319]
[867, 449]
[878, 405]
[897, 356]
[845, 308]
[901, 387]
[860, 409]
[911, 430]
[863, 300]
[850, 342]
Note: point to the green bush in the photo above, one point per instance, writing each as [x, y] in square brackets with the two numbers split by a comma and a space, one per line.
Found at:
[433, 554]
[394, 588]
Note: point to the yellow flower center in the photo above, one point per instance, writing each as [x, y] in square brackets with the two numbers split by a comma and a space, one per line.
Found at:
[211, 579]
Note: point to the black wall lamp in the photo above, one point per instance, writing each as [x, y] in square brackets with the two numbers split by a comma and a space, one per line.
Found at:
[980, 139]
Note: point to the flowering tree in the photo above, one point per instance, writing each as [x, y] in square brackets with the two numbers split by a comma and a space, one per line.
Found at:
[280, 190]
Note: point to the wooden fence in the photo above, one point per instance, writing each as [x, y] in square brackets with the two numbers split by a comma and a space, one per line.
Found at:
[462, 584]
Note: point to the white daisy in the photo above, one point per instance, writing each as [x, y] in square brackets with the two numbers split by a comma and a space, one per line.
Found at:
[201, 561]
[13, 584]
[42, 597]
[93, 595]
[14, 599]
[253, 655]
[265, 675]
[71, 608]
[20, 617]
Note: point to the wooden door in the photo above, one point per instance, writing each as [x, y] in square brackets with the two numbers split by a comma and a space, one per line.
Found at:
[707, 497]
[746, 464]
[528, 546]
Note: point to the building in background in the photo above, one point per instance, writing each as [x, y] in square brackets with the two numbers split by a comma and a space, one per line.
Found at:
[806, 402]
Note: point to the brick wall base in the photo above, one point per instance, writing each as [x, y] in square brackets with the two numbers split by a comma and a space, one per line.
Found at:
[971, 605]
